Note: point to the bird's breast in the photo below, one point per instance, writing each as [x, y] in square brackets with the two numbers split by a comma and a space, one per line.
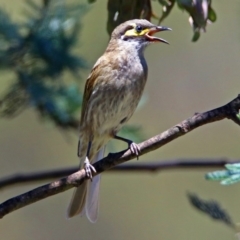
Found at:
[116, 96]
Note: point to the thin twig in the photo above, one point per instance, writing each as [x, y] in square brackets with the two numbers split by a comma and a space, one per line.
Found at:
[229, 111]
[156, 166]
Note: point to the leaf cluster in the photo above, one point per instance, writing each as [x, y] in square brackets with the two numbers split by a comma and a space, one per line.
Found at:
[200, 12]
[39, 52]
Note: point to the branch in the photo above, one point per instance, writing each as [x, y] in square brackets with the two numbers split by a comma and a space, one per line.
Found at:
[228, 111]
[20, 178]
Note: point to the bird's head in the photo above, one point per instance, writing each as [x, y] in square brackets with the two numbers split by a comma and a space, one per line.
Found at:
[139, 31]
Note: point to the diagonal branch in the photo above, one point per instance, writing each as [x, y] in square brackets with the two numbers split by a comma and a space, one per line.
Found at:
[229, 111]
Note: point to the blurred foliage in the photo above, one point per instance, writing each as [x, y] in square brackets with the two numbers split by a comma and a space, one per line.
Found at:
[200, 12]
[211, 208]
[229, 176]
[38, 52]
[130, 131]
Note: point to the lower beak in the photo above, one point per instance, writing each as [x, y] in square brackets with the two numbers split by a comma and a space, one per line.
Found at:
[156, 29]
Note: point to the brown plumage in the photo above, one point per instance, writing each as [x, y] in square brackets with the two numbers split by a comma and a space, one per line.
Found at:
[112, 92]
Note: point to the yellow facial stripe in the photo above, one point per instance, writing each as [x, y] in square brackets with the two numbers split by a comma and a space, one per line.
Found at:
[133, 32]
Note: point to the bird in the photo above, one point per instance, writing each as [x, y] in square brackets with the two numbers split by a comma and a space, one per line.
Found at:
[112, 92]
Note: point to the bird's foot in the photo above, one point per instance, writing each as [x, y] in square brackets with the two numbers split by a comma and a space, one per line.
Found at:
[135, 149]
[89, 168]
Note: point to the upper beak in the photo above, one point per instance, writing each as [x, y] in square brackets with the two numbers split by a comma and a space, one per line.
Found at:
[156, 29]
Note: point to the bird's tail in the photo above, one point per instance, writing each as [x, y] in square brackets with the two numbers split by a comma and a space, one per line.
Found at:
[85, 197]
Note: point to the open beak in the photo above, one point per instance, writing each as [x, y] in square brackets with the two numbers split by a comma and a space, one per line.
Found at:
[156, 29]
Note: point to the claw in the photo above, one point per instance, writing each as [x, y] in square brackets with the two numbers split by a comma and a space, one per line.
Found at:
[89, 168]
[135, 149]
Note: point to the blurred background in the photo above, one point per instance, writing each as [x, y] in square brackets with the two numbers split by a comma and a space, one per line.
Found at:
[184, 78]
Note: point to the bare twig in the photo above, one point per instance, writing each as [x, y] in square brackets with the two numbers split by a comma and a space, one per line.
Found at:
[229, 111]
[156, 166]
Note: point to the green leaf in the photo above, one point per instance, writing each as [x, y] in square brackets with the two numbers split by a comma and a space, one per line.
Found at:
[217, 175]
[238, 116]
[231, 180]
[212, 16]
[166, 9]
[196, 36]
[229, 176]
[233, 166]
[211, 208]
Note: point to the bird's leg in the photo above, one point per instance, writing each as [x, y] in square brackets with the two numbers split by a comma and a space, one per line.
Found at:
[131, 145]
[87, 165]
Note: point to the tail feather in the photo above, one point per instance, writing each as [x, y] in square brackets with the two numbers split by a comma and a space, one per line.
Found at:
[86, 196]
[78, 200]
[92, 201]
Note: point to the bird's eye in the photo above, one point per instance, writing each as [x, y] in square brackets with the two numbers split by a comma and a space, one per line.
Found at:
[138, 28]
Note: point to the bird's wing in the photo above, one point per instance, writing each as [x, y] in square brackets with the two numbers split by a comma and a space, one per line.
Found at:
[97, 72]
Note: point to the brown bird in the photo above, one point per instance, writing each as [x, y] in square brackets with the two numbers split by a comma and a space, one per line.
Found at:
[112, 92]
